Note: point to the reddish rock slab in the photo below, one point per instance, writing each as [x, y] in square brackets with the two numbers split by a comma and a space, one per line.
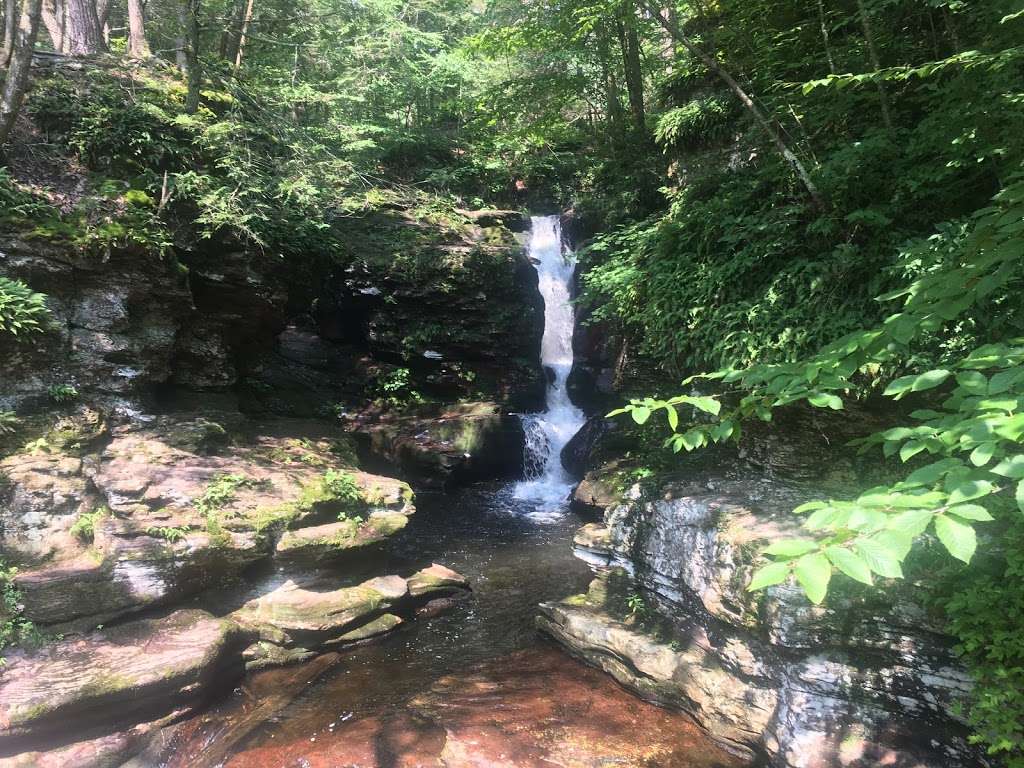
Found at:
[533, 709]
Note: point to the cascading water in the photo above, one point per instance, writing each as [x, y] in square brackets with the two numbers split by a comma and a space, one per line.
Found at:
[547, 483]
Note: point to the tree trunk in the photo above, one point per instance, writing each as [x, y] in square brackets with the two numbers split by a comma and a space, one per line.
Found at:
[10, 30]
[631, 66]
[768, 125]
[824, 37]
[233, 32]
[242, 33]
[85, 35]
[611, 88]
[138, 46]
[16, 80]
[54, 16]
[954, 36]
[195, 75]
[103, 14]
[180, 53]
[876, 63]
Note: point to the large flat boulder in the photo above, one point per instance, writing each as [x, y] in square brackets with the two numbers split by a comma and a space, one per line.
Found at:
[113, 678]
[295, 618]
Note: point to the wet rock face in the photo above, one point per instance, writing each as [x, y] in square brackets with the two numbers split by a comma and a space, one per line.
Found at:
[115, 321]
[865, 679]
[450, 446]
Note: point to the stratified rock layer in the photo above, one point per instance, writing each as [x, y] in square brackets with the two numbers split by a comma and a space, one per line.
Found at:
[176, 503]
[866, 680]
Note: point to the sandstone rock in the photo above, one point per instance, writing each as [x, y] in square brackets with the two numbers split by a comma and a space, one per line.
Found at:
[187, 501]
[471, 441]
[595, 493]
[531, 709]
[334, 542]
[734, 705]
[114, 678]
[296, 618]
[116, 320]
[436, 580]
[578, 452]
[869, 664]
[41, 496]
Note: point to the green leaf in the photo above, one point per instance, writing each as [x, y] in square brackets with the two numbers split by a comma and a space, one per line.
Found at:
[913, 522]
[910, 449]
[982, 455]
[1011, 466]
[850, 563]
[899, 386]
[930, 380]
[880, 558]
[825, 400]
[673, 417]
[1019, 495]
[789, 548]
[814, 572]
[958, 538]
[972, 489]
[973, 382]
[933, 472]
[773, 573]
[971, 512]
[640, 414]
[809, 506]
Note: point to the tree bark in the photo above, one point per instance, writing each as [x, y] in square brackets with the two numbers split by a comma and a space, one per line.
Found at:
[16, 80]
[824, 37]
[180, 43]
[631, 66]
[103, 14]
[138, 46]
[876, 63]
[195, 75]
[611, 88]
[9, 32]
[232, 34]
[242, 32]
[85, 35]
[55, 19]
[768, 125]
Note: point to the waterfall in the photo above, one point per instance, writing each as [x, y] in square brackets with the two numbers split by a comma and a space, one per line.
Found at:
[547, 483]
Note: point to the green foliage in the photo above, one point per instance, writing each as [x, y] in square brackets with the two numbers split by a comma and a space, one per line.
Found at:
[974, 437]
[986, 611]
[8, 422]
[62, 393]
[171, 534]
[15, 629]
[84, 528]
[394, 388]
[22, 310]
[342, 487]
[220, 492]
[696, 123]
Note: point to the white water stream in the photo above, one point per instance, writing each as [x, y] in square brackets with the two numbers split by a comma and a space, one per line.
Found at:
[547, 483]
